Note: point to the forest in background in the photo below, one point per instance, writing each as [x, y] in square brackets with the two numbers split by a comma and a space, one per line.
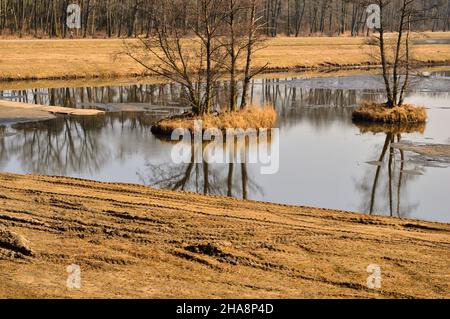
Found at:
[132, 18]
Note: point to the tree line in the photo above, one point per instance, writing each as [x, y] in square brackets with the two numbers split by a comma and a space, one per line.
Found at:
[132, 18]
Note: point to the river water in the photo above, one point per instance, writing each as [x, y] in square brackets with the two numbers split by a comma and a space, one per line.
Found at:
[325, 160]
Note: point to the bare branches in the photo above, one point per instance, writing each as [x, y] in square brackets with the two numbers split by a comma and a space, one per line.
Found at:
[395, 55]
[220, 40]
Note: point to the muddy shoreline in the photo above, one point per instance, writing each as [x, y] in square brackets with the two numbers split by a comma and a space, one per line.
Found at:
[134, 241]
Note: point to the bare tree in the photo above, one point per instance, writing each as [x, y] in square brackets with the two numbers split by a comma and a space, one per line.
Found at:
[195, 64]
[254, 39]
[195, 44]
[241, 39]
[395, 53]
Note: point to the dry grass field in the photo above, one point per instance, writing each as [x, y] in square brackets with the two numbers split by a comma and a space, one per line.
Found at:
[134, 241]
[59, 59]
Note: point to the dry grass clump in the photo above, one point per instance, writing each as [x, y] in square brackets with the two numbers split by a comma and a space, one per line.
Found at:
[252, 117]
[379, 113]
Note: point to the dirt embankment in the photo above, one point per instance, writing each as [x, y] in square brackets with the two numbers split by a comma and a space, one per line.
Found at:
[133, 241]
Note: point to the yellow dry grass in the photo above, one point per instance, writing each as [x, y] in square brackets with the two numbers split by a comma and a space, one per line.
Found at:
[250, 118]
[131, 241]
[89, 58]
[379, 113]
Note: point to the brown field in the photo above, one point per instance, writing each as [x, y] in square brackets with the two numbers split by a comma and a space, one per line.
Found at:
[133, 241]
[59, 59]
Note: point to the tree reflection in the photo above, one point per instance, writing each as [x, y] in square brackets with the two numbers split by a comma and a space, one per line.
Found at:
[232, 180]
[4, 157]
[68, 145]
[321, 107]
[155, 94]
[389, 174]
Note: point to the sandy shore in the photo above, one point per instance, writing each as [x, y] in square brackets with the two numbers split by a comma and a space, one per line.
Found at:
[133, 241]
[15, 112]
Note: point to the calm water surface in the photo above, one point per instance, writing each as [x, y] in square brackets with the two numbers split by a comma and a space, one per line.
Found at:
[326, 160]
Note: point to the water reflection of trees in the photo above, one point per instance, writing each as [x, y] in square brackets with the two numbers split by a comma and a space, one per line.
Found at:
[384, 184]
[319, 106]
[4, 155]
[68, 145]
[232, 180]
[157, 94]
[294, 104]
[284, 93]
[279, 92]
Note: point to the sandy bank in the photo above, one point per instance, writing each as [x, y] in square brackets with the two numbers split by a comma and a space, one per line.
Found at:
[133, 241]
[15, 112]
